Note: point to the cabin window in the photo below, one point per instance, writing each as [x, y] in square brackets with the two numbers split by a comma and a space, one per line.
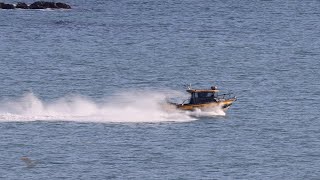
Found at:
[202, 97]
[205, 95]
[210, 94]
[193, 98]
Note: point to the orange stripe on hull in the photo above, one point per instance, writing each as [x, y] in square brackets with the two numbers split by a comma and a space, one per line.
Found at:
[207, 106]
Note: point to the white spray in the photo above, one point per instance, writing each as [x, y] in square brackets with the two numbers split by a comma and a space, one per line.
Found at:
[126, 107]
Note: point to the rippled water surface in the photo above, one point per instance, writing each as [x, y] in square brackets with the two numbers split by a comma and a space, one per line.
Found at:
[81, 88]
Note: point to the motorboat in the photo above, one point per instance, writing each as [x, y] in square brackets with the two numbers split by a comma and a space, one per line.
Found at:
[206, 99]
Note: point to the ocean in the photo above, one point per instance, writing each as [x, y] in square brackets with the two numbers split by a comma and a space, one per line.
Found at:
[81, 88]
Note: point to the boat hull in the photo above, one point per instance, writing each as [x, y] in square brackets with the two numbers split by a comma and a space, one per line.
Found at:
[224, 104]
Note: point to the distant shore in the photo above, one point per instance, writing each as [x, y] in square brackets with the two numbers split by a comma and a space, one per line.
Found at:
[36, 5]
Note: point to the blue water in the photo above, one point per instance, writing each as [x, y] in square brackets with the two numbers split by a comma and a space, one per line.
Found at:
[80, 90]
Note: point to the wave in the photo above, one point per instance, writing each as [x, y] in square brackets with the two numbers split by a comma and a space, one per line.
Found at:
[124, 107]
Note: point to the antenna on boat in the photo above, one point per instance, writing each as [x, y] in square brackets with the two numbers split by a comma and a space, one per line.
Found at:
[188, 86]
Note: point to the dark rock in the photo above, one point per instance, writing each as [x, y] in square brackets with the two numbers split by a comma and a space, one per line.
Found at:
[42, 5]
[6, 6]
[63, 5]
[36, 5]
[51, 5]
[22, 5]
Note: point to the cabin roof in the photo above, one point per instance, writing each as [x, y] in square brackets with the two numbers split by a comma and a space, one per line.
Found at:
[202, 90]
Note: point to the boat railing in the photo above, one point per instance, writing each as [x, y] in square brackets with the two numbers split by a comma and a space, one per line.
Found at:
[177, 101]
[186, 101]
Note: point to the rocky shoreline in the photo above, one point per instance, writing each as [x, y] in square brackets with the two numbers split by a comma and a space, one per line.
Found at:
[35, 5]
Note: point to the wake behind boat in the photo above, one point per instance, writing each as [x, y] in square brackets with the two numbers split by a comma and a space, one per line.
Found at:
[205, 100]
